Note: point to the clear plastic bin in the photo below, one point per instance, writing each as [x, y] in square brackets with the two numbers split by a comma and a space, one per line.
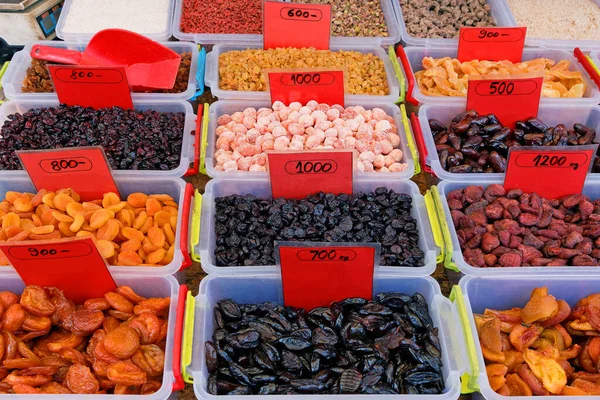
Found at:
[415, 57]
[504, 293]
[145, 286]
[262, 189]
[553, 43]
[230, 106]
[17, 71]
[243, 38]
[257, 289]
[591, 189]
[187, 146]
[176, 188]
[549, 114]
[498, 10]
[212, 75]
[85, 37]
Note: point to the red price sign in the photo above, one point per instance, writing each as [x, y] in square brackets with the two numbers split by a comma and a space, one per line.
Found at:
[296, 25]
[295, 175]
[72, 265]
[317, 274]
[302, 86]
[551, 172]
[492, 44]
[84, 169]
[511, 99]
[96, 87]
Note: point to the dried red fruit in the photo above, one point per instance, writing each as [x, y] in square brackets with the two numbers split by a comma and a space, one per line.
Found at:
[87, 321]
[81, 380]
[522, 337]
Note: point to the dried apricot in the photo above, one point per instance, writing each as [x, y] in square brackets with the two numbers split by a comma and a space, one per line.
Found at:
[25, 389]
[101, 353]
[154, 305]
[87, 321]
[517, 386]
[13, 318]
[10, 219]
[106, 248]
[110, 199]
[7, 299]
[74, 209]
[129, 258]
[547, 370]
[110, 323]
[130, 294]
[99, 218]
[118, 302]
[522, 337]
[35, 300]
[122, 342]
[54, 388]
[156, 256]
[127, 389]
[156, 236]
[148, 327]
[34, 323]
[68, 340]
[81, 380]
[495, 372]
[529, 378]
[109, 231]
[23, 204]
[137, 200]
[151, 387]
[61, 201]
[489, 335]
[72, 355]
[20, 363]
[161, 218]
[15, 378]
[150, 359]
[152, 207]
[126, 373]
[131, 233]
[140, 220]
[539, 308]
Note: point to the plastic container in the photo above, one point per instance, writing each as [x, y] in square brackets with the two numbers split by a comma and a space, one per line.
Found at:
[244, 38]
[16, 73]
[549, 114]
[499, 12]
[176, 188]
[85, 37]
[503, 293]
[230, 106]
[187, 148]
[262, 189]
[147, 286]
[263, 288]
[415, 55]
[552, 43]
[212, 75]
[591, 189]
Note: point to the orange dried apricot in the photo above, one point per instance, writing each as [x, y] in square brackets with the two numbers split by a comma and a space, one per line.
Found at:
[129, 258]
[517, 386]
[161, 218]
[150, 359]
[156, 256]
[130, 294]
[13, 318]
[547, 370]
[81, 380]
[153, 304]
[152, 207]
[105, 248]
[15, 378]
[540, 307]
[495, 372]
[109, 231]
[137, 200]
[522, 337]
[132, 233]
[118, 302]
[148, 327]
[99, 218]
[110, 324]
[25, 389]
[87, 321]
[54, 388]
[122, 342]
[35, 300]
[10, 219]
[23, 204]
[126, 373]
[61, 201]
[110, 199]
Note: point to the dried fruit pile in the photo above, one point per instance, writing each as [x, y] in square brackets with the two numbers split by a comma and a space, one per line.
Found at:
[450, 77]
[132, 139]
[244, 137]
[497, 228]
[38, 80]
[139, 231]
[543, 349]
[479, 143]
[221, 16]
[246, 227]
[353, 18]
[243, 70]
[385, 346]
[113, 344]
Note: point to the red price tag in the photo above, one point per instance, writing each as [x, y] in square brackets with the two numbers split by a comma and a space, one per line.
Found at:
[73, 265]
[295, 175]
[510, 98]
[96, 87]
[317, 274]
[84, 169]
[551, 172]
[491, 44]
[296, 25]
[302, 86]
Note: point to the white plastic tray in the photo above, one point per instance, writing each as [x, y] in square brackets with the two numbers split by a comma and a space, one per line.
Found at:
[553, 43]
[591, 189]
[187, 146]
[499, 14]
[212, 74]
[244, 38]
[146, 286]
[262, 189]
[230, 106]
[85, 37]
[506, 292]
[176, 188]
[415, 57]
[551, 115]
[257, 289]
[17, 71]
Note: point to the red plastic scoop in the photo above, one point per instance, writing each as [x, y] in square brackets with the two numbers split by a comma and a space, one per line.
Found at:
[149, 64]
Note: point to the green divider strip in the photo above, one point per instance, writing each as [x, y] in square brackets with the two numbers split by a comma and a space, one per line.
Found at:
[188, 337]
[434, 221]
[468, 381]
[399, 74]
[411, 139]
[448, 263]
[204, 144]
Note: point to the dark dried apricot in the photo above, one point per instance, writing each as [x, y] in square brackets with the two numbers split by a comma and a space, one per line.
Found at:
[87, 321]
[110, 323]
[13, 318]
[99, 304]
[151, 387]
[154, 305]
[150, 359]
[72, 355]
[54, 388]
[127, 389]
[81, 380]
[14, 378]
[67, 340]
[119, 302]
[129, 294]
[25, 389]
[148, 327]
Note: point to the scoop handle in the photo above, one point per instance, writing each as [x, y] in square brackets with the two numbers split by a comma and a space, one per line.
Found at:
[61, 56]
